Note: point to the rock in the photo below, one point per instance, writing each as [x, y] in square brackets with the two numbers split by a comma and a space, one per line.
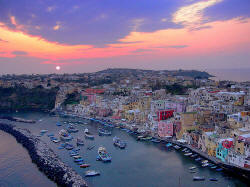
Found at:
[45, 158]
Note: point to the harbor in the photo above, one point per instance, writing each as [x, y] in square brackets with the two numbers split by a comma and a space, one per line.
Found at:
[150, 161]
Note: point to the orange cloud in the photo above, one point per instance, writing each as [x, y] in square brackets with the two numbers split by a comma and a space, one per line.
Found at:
[193, 14]
[211, 37]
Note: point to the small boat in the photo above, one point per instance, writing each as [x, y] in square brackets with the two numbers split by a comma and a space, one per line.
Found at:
[104, 132]
[168, 145]
[109, 125]
[64, 135]
[80, 163]
[77, 156]
[194, 155]
[60, 147]
[78, 160]
[192, 171]
[118, 142]
[90, 147]
[69, 146]
[183, 150]
[177, 147]
[191, 168]
[74, 154]
[219, 169]
[104, 155]
[84, 165]
[79, 142]
[213, 167]
[198, 159]
[58, 124]
[56, 140]
[155, 140]
[50, 135]
[91, 173]
[213, 179]
[188, 154]
[43, 131]
[198, 178]
[205, 165]
[88, 135]
[204, 161]
[72, 129]
[146, 138]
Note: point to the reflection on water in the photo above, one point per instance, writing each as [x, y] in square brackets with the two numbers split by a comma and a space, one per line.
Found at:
[16, 168]
[140, 164]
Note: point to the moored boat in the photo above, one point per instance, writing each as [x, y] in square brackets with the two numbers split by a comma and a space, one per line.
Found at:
[192, 167]
[79, 142]
[168, 145]
[72, 129]
[90, 173]
[84, 165]
[177, 147]
[198, 178]
[88, 135]
[188, 154]
[155, 140]
[118, 142]
[104, 132]
[69, 146]
[213, 179]
[103, 154]
[64, 135]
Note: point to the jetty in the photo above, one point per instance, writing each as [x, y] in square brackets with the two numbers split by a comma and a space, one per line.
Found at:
[45, 158]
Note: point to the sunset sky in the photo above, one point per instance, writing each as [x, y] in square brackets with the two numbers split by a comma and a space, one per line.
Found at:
[91, 35]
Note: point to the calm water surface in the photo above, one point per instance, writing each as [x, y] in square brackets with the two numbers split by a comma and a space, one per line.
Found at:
[141, 164]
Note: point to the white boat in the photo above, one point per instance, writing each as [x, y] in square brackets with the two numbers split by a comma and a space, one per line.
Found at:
[90, 173]
[204, 161]
[103, 154]
[88, 134]
[188, 154]
[193, 167]
[64, 135]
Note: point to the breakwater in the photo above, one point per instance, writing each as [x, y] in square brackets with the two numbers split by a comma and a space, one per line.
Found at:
[44, 157]
[10, 118]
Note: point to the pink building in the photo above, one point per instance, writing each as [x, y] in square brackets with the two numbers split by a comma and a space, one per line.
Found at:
[165, 128]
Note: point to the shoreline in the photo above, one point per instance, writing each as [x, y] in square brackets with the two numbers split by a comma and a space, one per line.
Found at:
[44, 158]
[242, 173]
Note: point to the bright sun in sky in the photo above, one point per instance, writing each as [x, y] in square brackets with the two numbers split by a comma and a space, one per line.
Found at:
[58, 68]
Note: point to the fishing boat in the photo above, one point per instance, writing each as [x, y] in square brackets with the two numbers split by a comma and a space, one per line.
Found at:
[191, 168]
[88, 135]
[213, 179]
[79, 142]
[84, 165]
[91, 173]
[119, 143]
[50, 135]
[188, 154]
[72, 129]
[198, 178]
[155, 140]
[104, 155]
[104, 132]
[64, 135]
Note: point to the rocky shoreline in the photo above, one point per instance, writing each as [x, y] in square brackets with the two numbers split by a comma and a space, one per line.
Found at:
[44, 157]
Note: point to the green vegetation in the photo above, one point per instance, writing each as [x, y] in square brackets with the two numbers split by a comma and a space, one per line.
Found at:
[21, 98]
[73, 98]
